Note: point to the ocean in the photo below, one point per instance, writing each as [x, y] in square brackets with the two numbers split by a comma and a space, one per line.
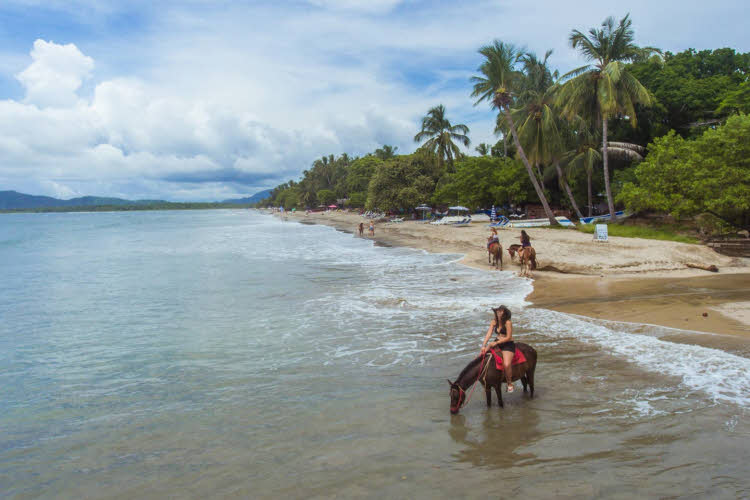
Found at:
[228, 353]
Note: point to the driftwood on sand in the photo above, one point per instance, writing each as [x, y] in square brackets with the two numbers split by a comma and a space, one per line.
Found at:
[711, 268]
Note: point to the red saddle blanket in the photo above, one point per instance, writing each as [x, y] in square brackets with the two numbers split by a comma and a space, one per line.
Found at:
[518, 358]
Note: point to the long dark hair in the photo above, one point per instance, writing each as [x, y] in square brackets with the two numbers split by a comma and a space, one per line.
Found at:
[504, 314]
[524, 239]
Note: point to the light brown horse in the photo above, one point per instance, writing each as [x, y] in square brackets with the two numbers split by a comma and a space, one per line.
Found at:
[485, 371]
[528, 260]
[495, 254]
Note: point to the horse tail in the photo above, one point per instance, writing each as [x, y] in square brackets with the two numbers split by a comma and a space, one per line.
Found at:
[533, 261]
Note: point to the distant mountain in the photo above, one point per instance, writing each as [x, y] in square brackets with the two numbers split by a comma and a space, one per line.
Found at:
[252, 199]
[14, 200]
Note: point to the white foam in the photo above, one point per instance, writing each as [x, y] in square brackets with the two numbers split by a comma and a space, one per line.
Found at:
[722, 375]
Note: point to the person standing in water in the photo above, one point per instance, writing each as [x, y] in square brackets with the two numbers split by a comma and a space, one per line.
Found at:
[502, 328]
[371, 230]
[361, 229]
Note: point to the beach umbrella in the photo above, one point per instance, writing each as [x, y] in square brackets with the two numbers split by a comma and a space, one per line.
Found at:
[333, 206]
[493, 214]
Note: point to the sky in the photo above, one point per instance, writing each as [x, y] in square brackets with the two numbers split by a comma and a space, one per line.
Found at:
[203, 100]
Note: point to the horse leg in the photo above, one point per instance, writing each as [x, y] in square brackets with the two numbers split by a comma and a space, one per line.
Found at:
[500, 254]
[530, 377]
[498, 386]
[525, 382]
[488, 393]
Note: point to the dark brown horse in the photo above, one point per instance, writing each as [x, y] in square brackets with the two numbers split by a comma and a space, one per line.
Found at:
[484, 369]
[495, 254]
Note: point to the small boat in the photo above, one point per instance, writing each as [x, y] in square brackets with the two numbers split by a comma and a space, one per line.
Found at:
[563, 221]
[618, 215]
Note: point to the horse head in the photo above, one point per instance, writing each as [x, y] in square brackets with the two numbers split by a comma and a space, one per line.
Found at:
[458, 396]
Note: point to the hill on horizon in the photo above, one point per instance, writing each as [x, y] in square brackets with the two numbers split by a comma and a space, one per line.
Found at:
[10, 200]
[260, 195]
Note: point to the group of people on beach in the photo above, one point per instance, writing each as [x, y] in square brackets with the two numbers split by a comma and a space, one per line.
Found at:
[494, 238]
[370, 230]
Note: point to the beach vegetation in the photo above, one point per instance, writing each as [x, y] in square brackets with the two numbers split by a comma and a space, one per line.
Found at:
[441, 137]
[665, 232]
[606, 88]
[484, 181]
[404, 181]
[326, 196]
[708, 175]
[500, 82]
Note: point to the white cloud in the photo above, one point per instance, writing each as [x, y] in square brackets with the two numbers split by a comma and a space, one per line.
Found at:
[199, 102]
[55, 74]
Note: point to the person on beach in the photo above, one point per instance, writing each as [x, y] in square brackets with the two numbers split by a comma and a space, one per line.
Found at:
[361, 229]
[525, 241]
[493, 238]
[502, 328]
[371, 230]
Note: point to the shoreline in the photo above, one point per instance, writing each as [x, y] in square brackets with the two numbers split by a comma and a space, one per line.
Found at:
[647, 282]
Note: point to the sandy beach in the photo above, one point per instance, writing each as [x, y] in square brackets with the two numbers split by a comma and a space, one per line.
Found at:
[625, 279]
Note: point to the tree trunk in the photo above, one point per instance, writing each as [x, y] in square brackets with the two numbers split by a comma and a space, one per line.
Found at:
[537, 188]
[605, 160]
[567, 189]
[505, 145]
[591, 201]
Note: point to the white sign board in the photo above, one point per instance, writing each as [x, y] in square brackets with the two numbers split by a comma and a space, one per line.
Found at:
[600, 234]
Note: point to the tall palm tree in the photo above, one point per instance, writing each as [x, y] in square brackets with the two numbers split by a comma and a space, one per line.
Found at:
[440, 134]
[584, 153]
[605, 88]
[500, 83]
[483, 149]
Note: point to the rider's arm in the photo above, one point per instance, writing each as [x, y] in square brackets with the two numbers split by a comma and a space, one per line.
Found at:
[489, 333]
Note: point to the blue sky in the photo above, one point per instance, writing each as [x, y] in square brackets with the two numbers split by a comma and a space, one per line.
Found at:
[206, 100]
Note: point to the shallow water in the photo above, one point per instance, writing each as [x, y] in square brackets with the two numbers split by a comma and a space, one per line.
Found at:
[225, 353]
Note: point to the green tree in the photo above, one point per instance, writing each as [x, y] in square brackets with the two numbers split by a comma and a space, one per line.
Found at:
[398, 182]
[483, 149]
[386, 152]
[606, 88]
[326, 196]
[359, 173]
[710, 174]
[483, 181]
[440, 135]
[736, 101]
[500, 83]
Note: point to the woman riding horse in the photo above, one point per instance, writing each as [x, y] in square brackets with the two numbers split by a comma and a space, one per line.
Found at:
[502, 328]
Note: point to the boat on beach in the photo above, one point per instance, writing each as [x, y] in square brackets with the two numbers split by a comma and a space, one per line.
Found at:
[618, 215]
[505, 223]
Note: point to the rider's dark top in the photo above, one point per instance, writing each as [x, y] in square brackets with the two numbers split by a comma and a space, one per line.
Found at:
[505, 346]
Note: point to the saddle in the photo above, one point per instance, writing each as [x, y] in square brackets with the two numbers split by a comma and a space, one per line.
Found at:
[518, 358]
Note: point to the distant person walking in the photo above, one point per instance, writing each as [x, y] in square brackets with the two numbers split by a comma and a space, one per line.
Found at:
[371, 230]
[361, 229]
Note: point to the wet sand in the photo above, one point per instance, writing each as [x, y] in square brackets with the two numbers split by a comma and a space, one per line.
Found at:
[717, 303]
[626, 279]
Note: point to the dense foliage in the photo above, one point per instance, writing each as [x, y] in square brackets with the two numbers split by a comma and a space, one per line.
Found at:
[710, 174]
[565, 140]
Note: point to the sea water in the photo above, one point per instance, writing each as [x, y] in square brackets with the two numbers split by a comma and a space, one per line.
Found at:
[232, 354]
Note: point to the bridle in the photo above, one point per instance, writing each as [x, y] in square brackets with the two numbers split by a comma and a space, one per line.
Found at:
[461, 403]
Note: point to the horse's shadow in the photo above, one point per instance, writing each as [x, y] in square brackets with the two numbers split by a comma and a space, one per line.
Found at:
[498, 440]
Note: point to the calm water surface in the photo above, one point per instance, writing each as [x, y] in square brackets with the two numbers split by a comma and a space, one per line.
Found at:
[230, 354]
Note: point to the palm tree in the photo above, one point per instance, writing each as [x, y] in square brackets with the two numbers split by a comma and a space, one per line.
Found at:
[483, 149]
[584, 153]
[500, 83]
[606, 88]
[440, 134]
